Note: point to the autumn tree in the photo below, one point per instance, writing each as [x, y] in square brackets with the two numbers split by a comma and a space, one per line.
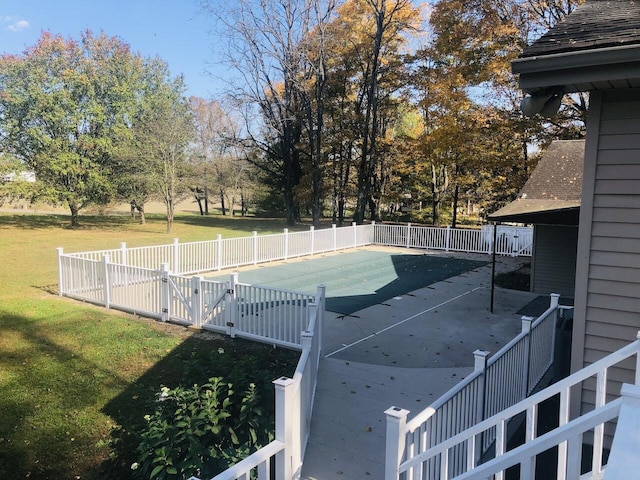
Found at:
[367, 39]
[157, 159]
[64, 107]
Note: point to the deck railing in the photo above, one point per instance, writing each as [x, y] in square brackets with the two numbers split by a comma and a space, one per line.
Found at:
[294, 406]
[566, 438]
[505, 379]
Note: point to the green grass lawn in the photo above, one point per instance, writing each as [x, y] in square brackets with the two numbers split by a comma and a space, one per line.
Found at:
[75, 379]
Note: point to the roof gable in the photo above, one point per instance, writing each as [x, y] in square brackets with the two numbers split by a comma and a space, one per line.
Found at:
[553, 191]
[558, 175]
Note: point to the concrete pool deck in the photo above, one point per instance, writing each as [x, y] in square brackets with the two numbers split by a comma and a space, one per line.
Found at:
[406, 353]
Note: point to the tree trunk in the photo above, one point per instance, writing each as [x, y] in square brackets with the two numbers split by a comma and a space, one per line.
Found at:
[456, 197]
[73, 206]
[170, 208]
[199, 200]
[206, 200]
[143, 219]
[368, 159]
[222, 204]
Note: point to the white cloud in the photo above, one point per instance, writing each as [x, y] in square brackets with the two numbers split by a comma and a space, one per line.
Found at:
[19, 26]
[15, 23]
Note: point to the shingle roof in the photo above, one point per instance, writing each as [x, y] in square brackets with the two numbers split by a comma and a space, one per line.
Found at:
[554, 185]
[595, 24]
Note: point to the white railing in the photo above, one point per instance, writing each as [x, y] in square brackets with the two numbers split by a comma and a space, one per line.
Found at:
[294, 406]
[509, 240]
[259, 313]
[505, 379]
[567, 437]
[219, 254]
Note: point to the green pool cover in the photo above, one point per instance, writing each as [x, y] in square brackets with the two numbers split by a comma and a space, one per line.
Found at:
[357, 280]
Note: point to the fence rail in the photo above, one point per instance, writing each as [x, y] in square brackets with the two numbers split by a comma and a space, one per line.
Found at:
[496, 383]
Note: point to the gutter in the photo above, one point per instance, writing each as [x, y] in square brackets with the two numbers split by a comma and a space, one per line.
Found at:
[577, 59]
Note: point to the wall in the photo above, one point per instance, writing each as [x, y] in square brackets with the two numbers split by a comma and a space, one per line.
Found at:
[608, 266]
[553, 266]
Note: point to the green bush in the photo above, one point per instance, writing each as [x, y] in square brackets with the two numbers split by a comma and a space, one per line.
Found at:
[200, 431]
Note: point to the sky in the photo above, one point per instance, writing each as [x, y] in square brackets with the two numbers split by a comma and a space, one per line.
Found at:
[174, 30]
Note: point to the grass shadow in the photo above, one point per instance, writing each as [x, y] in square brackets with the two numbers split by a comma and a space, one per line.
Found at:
[194, 361]
[56, 391]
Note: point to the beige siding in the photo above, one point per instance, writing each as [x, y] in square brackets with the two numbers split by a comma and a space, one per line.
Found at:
[609, 297]
[553, 268]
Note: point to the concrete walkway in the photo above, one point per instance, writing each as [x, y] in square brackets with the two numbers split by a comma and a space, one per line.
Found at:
[405, 352]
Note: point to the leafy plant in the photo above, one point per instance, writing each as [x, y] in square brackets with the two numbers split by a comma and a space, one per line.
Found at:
[201, 431]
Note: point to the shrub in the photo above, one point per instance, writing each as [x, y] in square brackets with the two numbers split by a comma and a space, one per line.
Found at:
[201, 431]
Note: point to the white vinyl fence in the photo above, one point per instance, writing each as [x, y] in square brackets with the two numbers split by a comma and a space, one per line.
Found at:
[294, 406]
[516, 241]
[152, 281]
[508, 377]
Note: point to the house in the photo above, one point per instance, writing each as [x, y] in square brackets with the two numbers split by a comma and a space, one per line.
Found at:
[550, 200]
[596, 49]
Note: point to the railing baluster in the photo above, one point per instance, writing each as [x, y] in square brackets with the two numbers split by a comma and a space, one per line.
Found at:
[563, 419]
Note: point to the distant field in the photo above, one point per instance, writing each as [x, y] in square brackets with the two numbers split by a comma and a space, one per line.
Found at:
[71, 374]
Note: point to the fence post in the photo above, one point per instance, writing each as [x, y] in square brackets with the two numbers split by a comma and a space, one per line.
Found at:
[319, 301]
[60, 275]
[396, 441]
[175, 268]
[166, 291]
[219, 251]
[255, 247]
[286, 461]
[408, 235]
[231, 311]
[105, 278]
[355, 234]
[372, 238]
[312, 229]
[480, 365]
[286, 243]
[526, 329]
[197, 303]
[448, 245]
[124, 258]
[335, 241]
[555, 300]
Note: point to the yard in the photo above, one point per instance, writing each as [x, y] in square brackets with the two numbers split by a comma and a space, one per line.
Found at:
[76, 380]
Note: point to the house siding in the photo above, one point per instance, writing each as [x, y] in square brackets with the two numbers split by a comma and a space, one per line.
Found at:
[553, 268]
[607, 287]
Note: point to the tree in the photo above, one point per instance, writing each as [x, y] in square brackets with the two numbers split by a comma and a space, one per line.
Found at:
[65, 106]
[265, 40]
[219, 158]
[162, 132]
[365, 72]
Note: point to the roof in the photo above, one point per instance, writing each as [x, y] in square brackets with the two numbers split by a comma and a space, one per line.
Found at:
[596, 47]
[595, 24]
[553, 191]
